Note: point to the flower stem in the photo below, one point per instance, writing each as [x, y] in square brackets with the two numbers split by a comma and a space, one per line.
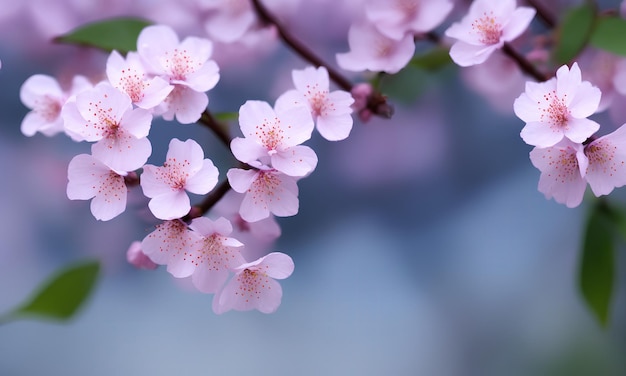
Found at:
[525, 65]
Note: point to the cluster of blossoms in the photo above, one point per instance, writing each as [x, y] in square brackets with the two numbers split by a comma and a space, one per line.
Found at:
[169, 78]
[567, 151]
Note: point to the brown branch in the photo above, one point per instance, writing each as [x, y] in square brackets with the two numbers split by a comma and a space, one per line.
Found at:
[543, 13]
[219, 129]
[525, 65]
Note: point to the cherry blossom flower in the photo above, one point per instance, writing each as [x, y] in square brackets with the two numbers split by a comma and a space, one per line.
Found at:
[254, 285]
[331, 111]
[213, 254]
[487, 26]
[397, 18]
[185, 169]
[184, 64]
[558, 108]
[374, 51]
[90, 178]
[258, 236]
[567, 167]
[129, 76]
[230, 20]
[607, 156]
[170, 244]
[266, 191]
[274, 138]
[45, 97]
[137, 258]
[105, 115]
[562, 167]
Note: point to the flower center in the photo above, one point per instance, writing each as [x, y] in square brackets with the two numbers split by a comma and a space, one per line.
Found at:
[556, 112]
[175, 173]
[270, 134]
[488, 28]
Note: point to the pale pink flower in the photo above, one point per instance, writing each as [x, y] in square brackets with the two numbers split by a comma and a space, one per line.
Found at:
[213, 254]
[106, 116]
[230, 20]
[607, 156]
[266, 191]
[170, 244]
[488, 25]
[254, 285]
[558, 108]
[184, 64]
[274, 138]
[397, 18]
[371, 50]
[258, 236]
[562, 169]
[331, 111]
[45, 97]
[184, 104]
[129, 76]
[137, 258]
[89, 178]
[185, 169]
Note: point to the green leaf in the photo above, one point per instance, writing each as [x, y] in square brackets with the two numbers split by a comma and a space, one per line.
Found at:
[226, 116]
[573, 33]
[113, 34]
[435, 59]
[597, 263]
[609, 35]
[62, 295]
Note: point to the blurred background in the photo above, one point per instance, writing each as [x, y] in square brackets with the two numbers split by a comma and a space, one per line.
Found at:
[422, 246]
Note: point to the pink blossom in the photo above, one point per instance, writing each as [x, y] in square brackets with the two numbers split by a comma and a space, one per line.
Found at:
[331, 111]
[371, 50]
[258, 236]
[487, 26]
[230, 20]
[607, 156]
[213, 254]
[562, 167]
[89, 178]
[558, 108]
[137, 258]
[397, 18]
[185, 169]
[274, 138]
[45, 97]
[170, 244]
[129, 76]
[184, 64]
[254, 285]
[105, 115]
[266, 191]
[184, 104]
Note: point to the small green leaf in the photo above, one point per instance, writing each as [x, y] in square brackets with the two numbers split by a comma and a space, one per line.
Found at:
[433, 60]
[609, 35]
[62, 295]
[573, 33]
[597, 263]
[226, 116]
[113, 34]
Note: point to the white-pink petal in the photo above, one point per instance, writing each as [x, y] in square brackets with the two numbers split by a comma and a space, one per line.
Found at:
[607, 162]
[561, 176]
